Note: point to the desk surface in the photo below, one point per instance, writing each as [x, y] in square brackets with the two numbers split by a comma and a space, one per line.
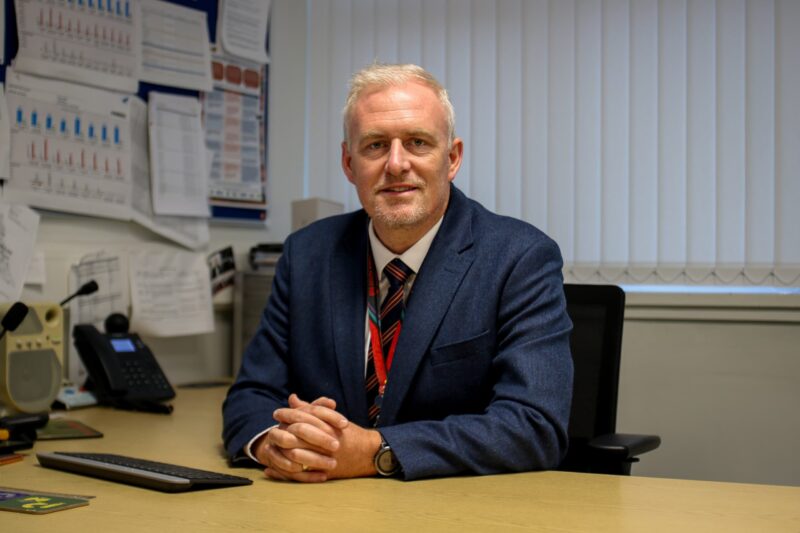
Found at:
[549, 501]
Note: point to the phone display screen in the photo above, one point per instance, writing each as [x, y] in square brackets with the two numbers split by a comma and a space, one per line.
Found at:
[122, 345]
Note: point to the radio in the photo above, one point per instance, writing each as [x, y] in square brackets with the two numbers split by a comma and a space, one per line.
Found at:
[31, 357]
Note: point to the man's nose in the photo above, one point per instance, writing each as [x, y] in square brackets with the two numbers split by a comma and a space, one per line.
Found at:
[398, 162]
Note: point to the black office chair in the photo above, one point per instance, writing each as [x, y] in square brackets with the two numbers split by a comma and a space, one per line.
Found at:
[597, 313]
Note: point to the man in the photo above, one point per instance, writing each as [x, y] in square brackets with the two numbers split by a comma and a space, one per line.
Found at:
[455, 361]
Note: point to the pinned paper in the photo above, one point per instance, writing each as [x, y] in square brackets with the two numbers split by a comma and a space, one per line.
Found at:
[243, 29]
[18, 226]
[170, 293]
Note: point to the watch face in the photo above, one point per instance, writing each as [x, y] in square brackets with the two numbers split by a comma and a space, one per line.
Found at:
[386, 463]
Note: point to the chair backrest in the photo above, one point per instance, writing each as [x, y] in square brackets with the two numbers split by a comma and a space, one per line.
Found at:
[597, 313]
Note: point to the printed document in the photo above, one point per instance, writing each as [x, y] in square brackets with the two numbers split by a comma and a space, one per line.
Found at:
[96, 43]
[110, 270]
[37, 270]
[170, 293]
[18, 225]
[191, 232]
[234, 133]
[175, 46]
[242, 28]
[69, 147]
[178, 173]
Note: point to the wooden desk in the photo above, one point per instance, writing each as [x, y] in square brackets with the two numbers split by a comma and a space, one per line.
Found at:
[548, 501]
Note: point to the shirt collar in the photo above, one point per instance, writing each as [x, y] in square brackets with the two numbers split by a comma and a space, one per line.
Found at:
[413, 257]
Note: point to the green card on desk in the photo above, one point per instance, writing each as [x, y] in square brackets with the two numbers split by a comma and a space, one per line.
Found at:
[64, 428]
[31, 502]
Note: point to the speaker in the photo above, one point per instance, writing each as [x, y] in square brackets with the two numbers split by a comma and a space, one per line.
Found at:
[30, 360]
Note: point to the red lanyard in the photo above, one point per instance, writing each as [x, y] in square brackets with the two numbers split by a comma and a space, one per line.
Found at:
[382, 364]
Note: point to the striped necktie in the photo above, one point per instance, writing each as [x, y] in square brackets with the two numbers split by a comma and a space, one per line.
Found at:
[388, 323]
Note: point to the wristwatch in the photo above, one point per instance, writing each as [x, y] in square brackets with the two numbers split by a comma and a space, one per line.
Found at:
[385, 462]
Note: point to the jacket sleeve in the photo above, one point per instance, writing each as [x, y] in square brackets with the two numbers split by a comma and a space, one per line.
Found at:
[262, 384]
[524, 426]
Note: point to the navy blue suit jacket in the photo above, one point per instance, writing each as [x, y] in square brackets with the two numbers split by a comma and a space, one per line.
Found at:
[481, 381]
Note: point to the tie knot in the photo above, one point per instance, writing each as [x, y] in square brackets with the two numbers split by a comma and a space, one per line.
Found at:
[397, 272]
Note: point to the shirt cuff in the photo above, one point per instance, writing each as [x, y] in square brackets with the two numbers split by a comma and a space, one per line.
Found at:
[248, 447]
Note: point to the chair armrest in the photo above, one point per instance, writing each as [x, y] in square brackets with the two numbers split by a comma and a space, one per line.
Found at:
[624, 446]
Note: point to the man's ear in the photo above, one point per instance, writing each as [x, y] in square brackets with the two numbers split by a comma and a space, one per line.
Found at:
[347, 160]
[455, 156]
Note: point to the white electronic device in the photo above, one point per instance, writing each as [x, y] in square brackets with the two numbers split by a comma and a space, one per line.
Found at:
[31, 358]
[306, 211]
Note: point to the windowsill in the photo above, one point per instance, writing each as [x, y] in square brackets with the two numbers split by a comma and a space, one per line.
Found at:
[716, 304]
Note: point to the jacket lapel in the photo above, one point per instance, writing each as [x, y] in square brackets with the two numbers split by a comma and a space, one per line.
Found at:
[347, 282]
[448, 259]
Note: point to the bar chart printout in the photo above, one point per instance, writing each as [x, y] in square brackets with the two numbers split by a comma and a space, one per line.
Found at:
[97, 42]
[69, 147]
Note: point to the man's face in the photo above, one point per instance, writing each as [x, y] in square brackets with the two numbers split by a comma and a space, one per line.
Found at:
[400, 160]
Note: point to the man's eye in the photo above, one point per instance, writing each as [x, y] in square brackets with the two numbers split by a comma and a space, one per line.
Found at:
[377, 145]
[418, 142]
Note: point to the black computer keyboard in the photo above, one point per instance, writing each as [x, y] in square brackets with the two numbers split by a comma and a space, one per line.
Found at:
[151, 474]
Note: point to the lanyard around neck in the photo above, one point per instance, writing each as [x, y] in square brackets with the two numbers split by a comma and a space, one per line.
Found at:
[382, 363]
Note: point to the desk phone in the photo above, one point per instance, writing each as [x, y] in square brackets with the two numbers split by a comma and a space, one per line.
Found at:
[122, 369]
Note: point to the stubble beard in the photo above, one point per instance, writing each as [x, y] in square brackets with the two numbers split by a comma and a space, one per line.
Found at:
[399, 216]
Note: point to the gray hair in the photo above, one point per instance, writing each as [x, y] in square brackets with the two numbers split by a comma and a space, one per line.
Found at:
[382, 75]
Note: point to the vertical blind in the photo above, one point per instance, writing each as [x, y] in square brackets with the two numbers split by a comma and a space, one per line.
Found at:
[657, 141]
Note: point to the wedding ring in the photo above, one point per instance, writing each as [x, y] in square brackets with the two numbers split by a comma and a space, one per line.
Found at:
[305, 468]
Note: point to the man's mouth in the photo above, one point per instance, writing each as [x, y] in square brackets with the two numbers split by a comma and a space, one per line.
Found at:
[399, 189]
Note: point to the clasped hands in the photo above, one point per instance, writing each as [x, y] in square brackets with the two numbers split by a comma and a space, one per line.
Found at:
[315, 443]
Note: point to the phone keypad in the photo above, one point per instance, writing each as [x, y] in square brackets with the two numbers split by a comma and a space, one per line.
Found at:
[141, 376]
